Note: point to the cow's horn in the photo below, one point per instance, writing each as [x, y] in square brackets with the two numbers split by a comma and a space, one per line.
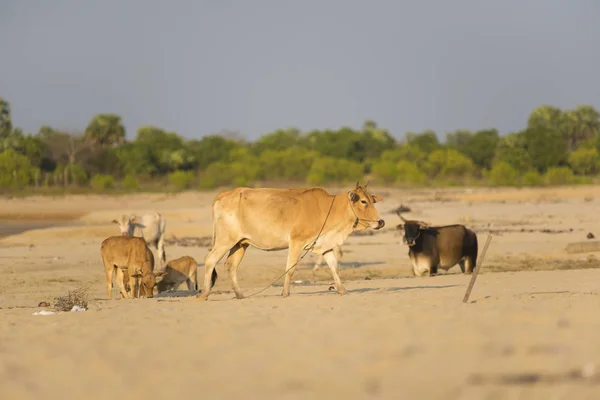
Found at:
[357, 185]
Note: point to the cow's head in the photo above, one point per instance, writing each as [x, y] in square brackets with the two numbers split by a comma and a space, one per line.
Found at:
[412, 230]
[362, 204]
[162, 283]
[126, 224]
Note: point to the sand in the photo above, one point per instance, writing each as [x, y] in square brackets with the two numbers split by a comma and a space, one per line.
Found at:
[532, 316]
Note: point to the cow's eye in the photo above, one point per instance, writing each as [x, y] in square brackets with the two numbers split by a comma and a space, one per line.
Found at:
[363, 201]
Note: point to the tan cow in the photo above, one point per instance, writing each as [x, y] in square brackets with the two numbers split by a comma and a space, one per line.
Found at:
[126, 253]
[278, 219]
[182, 269]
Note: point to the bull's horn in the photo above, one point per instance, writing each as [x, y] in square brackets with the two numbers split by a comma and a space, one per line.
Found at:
[357, 184]
[400, 215]
[367, 184]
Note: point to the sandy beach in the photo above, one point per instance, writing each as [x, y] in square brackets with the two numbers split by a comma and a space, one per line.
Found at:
[528, 332]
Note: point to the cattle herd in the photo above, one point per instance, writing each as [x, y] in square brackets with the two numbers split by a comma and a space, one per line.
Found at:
[300, 220]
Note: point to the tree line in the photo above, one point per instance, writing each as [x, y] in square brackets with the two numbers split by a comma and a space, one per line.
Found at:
[555, 147]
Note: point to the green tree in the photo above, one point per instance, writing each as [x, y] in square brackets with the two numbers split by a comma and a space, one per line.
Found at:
[281, 139]
[582, 125]
[106, 130]
[512, 150]
[546, 147]
[479, 147]
[5, 119]
[211, 149]
[427, 140]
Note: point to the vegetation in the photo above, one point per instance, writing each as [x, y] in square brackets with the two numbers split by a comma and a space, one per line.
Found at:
[555, 147]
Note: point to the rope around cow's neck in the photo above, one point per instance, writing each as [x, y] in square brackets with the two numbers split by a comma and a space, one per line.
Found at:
[293, 267]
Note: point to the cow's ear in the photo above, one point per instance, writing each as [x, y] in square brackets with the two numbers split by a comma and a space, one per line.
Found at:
[353, 196]
[132, 219]
[399, 226]
[377, 199]
[114, 221]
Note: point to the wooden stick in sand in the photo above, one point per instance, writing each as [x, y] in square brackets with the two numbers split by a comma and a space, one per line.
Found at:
[477, 268]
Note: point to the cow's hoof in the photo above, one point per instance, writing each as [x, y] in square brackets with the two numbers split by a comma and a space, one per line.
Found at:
[342, 292]
[201, 298]
[239, 296]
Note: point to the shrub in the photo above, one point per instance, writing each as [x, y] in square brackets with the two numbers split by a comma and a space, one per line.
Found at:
[584, 161]
[181, 179]
[328, 169]
[502, 174]
[408, 172]
[385, 171]
[16, 170]
[531, 178]
[77, 174]
[559, 176]
[206, 182]
[130, 182]
[102, 182]
[449, 163]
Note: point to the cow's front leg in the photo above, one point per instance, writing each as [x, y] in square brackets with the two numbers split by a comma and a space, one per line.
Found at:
[293, 258]
[332, 261]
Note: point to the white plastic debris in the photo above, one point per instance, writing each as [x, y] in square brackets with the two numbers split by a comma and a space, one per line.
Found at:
[77, 308]
[44, 312]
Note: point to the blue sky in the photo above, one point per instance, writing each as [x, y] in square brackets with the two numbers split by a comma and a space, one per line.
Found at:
[198, 67]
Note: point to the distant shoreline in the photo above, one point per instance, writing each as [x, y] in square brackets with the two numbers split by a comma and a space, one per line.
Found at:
[14, 227]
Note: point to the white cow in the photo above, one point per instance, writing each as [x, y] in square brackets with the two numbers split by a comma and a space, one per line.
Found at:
[149, 226]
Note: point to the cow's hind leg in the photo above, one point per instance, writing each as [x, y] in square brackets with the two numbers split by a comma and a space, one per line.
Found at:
[234, 258]
[160, 248]
[210, 262]
[292, 259]
[332, 261]
[109, 270]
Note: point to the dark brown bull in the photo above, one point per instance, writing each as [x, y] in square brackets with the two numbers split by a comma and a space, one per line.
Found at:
[433, 247]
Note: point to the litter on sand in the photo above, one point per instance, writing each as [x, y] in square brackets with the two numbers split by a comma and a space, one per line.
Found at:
[44, 312]
[77, 308]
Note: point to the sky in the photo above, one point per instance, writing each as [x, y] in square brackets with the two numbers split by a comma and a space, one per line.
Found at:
[198, 67]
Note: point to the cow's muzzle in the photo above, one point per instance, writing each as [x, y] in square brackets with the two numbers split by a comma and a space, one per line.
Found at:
[380, 224]
[123, 233]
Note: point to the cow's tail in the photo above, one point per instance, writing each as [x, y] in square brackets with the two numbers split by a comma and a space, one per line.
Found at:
[213, 278]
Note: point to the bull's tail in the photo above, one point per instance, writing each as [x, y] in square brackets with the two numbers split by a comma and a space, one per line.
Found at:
[213, 278]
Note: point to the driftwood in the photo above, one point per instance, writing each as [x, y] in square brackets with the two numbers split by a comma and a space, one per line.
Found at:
[205, 241]
[583, 247]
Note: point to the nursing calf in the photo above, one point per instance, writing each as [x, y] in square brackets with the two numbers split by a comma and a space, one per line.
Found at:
[182, 269]
[442, 247]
